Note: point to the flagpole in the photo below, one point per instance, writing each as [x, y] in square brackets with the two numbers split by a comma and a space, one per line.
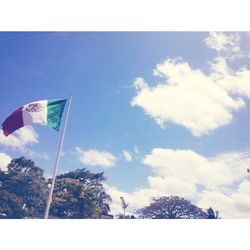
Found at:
[46, 214]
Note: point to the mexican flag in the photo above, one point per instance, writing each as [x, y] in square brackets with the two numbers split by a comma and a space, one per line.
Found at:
[44, 112]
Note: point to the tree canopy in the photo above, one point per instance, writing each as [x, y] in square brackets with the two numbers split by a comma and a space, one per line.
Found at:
[80, 194]
[24, 186]
[171, 207]
[77, 194]
[10, 206]
[211, 214]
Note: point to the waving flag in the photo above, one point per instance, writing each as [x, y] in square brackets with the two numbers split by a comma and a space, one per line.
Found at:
[44, 112]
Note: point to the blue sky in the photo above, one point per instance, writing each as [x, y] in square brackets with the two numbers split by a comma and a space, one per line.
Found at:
[181, 116]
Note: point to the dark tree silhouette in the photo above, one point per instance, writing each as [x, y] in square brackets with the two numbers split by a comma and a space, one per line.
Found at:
[80, 194]
[171, 207]
[77, 194]
[10, 206]
[211, 214]
[24, 185]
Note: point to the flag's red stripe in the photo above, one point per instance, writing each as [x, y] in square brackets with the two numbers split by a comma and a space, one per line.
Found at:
[13, 122]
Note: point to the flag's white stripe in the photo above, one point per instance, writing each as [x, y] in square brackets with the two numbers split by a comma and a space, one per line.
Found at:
[36, 114]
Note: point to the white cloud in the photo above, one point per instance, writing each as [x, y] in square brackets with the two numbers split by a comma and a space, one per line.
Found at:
[201, 102]
[20, 138]
[172, 185]
[4, 161]
[222, 42]
[244, 187]
[93, 157]
[139, 83]
[128, 157]
[190, 167]
[235, 206]
[217, 201]
[219, 182]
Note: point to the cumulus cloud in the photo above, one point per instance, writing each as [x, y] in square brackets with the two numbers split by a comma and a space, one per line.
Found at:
[190, 167]
[93, 157]
[244, 187]
[201, 101]
[127, 156]
[222, 42]
[4, 161]
[19, 139]
[198, 101]
[172, 185]
[235, 205]
[220, 181]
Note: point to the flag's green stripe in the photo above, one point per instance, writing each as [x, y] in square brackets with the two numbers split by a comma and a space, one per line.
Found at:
[55, 111]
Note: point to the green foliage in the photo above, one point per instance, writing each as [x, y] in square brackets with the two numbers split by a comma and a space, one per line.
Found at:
[171, 207]
[10, 206]
[77, 194]
[26, 187]
[80, 194]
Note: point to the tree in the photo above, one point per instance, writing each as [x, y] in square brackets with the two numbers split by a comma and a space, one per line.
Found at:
[25, 187]
[211, 214]
[10, 206]
[171, 207]
[77, 194]
[80, 194]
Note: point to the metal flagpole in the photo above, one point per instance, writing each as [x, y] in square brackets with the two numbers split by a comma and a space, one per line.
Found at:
[46, 214]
